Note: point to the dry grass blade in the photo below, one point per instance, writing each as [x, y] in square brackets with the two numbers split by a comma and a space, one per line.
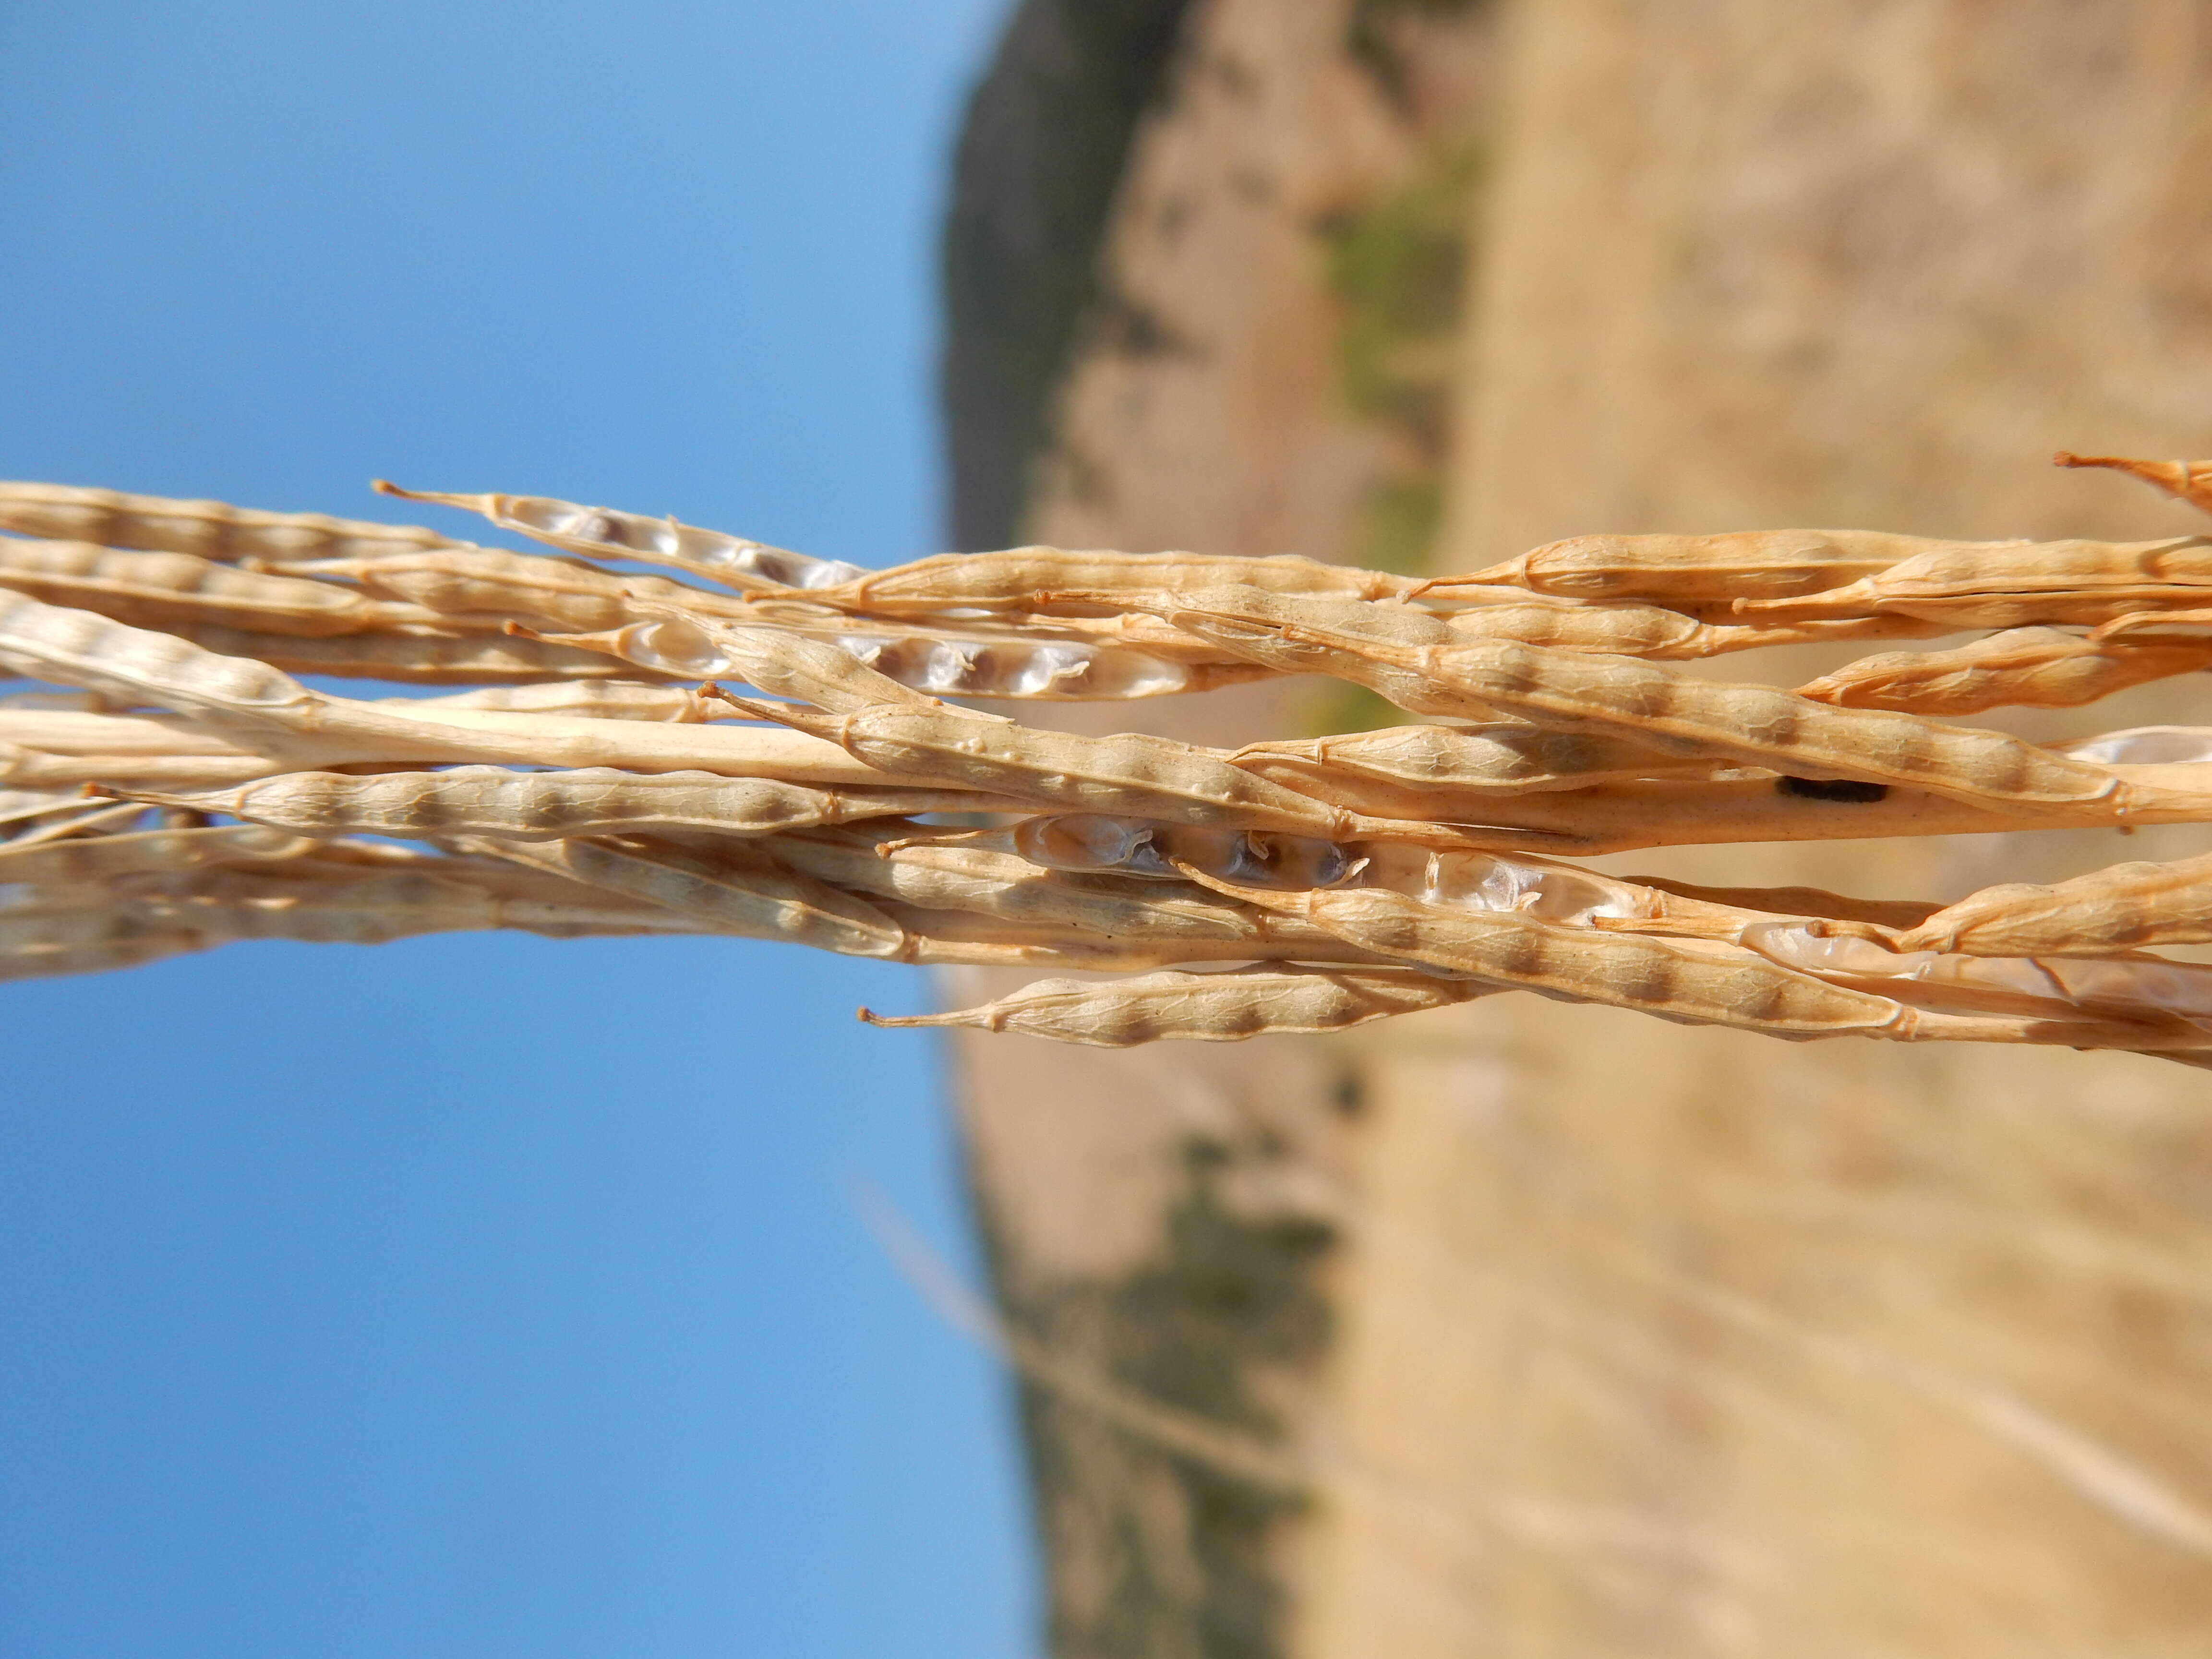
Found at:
[1220, 1007]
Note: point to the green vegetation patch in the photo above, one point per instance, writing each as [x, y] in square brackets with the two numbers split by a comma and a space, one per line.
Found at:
[1173, 1553]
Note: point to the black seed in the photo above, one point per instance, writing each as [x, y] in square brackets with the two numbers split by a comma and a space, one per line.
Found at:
[1832, 788]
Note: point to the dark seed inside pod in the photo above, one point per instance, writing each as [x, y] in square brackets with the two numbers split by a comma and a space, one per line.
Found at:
[1832, 788]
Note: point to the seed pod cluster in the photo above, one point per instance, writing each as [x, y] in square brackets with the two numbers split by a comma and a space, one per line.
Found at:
[754, 742]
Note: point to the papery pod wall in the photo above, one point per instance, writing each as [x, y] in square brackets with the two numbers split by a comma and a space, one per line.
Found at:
[1532, 1330]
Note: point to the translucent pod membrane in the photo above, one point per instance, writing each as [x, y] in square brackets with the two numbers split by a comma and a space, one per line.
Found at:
[611, 534]
[2144, 745]
[2125, 985]
[1485, 881]
[1145, 847]
[1044, 670]
[1454, 880]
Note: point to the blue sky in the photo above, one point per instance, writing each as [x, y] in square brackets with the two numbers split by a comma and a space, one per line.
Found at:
[486, 1296]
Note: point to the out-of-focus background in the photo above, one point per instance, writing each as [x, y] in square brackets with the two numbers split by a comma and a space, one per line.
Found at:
[1563, 1332]
[486, 1296]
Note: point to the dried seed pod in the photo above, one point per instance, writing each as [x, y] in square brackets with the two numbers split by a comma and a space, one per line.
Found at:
[1623, 817]
[76, 647]
[1058, 671]
[2192, 481]
[1624, 630]
[1691, 980]
[164, 590]
[750, 895]
[494, 583]
[415, 657]
[1129, 774]
[600, 532]
[781, 663]
[2006, 585]
[226, 907]
[1653, 975]
[1045, 671]
[429, 729]
[101, 858]
[1696, 569]
[1171, 925]
[490, 801]
[2123, 907]
[1662, 635]
[1149, 850]
[90, 941]
[1021, 578]
[1562, 894]
[208, 529]
[1478, 880]
[2024, 667]
[1506, 759]
[1220, 1007]
[1644, 704]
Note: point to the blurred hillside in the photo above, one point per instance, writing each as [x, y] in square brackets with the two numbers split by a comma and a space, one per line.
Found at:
[1569, 1333]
